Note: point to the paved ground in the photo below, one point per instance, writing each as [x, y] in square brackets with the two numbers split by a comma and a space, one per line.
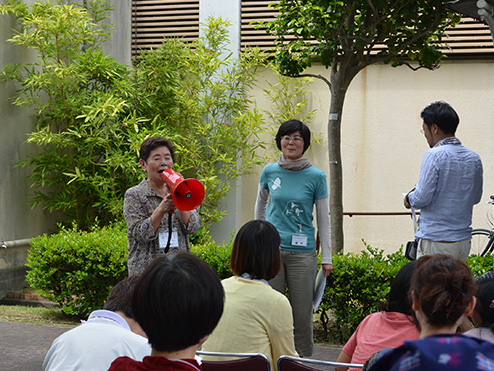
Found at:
[23, 346]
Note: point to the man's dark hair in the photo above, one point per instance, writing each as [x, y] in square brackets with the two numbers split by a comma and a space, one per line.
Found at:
[120, 297]
[177, 301]
[441, 114]
[150, 144]
[291, 126]
[256, 250]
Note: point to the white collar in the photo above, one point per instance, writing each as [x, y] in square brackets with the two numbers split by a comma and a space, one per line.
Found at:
[109, 315]
[247, 276]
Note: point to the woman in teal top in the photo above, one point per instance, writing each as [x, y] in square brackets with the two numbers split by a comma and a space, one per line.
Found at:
[288, 191]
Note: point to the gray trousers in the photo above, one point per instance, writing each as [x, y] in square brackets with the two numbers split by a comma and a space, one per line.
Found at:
[458, 250]
[298, 275]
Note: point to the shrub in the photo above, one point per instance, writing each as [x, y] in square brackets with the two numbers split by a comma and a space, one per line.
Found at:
[480, 264]
[92, 112]
[217, 256]
[360, 283]
[357, 287]
[78, 269]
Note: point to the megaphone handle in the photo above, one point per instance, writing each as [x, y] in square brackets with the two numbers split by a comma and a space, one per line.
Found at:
[167, 248]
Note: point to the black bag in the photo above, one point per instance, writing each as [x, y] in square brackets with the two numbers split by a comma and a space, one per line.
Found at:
[411, 250]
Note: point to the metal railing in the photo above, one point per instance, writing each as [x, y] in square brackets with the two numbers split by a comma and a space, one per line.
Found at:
[378, 213]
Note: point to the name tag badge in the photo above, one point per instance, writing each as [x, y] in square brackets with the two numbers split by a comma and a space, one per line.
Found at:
[299, 240]
[163, 236]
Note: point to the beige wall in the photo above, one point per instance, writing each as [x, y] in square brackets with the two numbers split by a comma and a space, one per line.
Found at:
[382, 147]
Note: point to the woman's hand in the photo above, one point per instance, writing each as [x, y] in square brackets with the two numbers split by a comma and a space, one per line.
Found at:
[167, 205]
[327, 269]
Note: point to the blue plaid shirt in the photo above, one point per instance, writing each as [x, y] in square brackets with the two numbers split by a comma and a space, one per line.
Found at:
[450, 183]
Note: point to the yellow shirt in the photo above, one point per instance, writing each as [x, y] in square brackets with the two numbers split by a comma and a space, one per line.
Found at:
[256, 319]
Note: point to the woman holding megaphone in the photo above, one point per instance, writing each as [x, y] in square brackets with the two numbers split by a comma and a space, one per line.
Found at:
[156, 225]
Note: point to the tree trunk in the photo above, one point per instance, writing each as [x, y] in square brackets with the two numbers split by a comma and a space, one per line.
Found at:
[339, 85]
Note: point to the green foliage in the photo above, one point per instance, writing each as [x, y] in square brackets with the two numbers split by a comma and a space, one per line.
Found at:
[480, 264]
[358, 286]
[78, 269]
[360, 283]
[93, 112]
[288, 96]
[217, 256]
[362, 32]
[79, 96]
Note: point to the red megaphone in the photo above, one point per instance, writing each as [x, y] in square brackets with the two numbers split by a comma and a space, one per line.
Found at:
[187, 193]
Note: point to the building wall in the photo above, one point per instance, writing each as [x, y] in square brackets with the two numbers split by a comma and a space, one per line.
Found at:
[382, 147]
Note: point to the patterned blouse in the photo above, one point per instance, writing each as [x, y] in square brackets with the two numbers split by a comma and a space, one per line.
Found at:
[438, 352]
[144, 244]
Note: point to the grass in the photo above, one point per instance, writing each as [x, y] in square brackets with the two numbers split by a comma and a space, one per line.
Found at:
[40, 316]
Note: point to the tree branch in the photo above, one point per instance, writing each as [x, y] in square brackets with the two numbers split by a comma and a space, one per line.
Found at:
[321, 77]
[411, 67]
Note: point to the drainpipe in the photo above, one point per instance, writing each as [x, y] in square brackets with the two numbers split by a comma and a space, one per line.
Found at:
[15, 243]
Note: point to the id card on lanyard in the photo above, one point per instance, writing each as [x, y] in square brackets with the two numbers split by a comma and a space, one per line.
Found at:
[299, 239]
[163, 237]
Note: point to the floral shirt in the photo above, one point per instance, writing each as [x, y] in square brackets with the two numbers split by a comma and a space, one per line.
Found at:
[144, 243]
[439, 352]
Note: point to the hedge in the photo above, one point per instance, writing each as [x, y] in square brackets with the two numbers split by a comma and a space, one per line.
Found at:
[78, 269]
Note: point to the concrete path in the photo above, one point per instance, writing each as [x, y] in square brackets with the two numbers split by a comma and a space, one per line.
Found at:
[23, 346]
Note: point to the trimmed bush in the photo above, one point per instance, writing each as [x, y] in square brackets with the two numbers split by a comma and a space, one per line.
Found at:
[357, 287]
[480, 264]
[217, 256]
[78, 269]
[360, 283]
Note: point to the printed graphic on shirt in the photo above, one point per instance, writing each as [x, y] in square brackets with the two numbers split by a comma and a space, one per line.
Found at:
[410, 362]
[275, 184]
[484, 363]
[293, 211]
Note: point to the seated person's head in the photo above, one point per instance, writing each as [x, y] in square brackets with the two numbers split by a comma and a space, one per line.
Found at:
[256, 250]
[120, 302]
[399, 300]
[120, 297]
[442, 290]
[178, 301]
[483, 314]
